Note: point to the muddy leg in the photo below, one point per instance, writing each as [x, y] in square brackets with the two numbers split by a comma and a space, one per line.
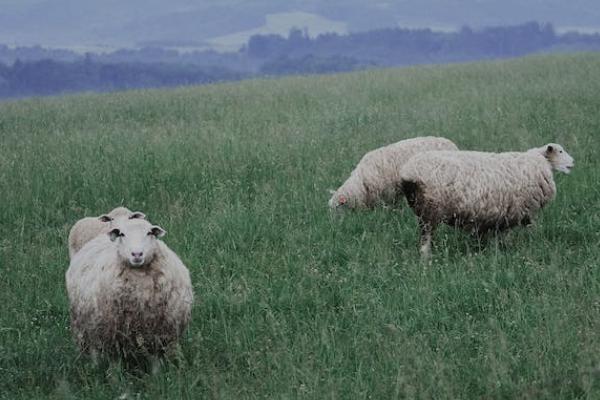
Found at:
[95, 357]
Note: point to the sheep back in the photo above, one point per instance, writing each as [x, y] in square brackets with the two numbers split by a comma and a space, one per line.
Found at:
[375, 179]
[83, 231]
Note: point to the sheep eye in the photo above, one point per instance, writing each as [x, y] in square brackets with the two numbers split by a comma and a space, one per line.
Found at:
[561, 151]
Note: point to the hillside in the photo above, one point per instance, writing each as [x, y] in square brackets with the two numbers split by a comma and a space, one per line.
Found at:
[292, 303]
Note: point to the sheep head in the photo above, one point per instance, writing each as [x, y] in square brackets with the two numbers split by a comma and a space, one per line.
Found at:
[337, 200]
[136, 241]
[558, 158]
[121, 213]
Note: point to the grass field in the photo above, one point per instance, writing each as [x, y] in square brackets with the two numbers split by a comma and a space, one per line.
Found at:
[290, 303]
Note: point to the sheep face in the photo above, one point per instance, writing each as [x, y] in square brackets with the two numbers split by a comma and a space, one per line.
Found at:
[136, 241]
[338, 201]
[559, 159]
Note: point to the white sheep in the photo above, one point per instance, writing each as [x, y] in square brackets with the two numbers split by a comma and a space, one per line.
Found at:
[129, 294]
[375, 179]
[88, 228]
[478, 191]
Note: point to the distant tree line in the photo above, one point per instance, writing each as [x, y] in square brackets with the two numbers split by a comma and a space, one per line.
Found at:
[396, 46]
[47, 77]
[27, 71]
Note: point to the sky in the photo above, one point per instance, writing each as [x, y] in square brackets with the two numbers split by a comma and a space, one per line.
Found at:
[225, 25]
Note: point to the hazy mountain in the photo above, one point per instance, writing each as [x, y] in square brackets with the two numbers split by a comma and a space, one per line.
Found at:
[227, 23]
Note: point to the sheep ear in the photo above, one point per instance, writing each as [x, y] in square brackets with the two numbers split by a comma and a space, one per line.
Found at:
[158, 231]
[137, 215]
[114, 234]
[105, 218]
[549, 149]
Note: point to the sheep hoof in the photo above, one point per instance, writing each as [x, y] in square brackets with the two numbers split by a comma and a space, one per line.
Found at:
[425, 251]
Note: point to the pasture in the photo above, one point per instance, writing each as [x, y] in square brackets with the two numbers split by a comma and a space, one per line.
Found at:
[290, 302]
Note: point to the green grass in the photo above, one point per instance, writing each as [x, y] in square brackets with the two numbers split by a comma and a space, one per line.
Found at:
[292, 304]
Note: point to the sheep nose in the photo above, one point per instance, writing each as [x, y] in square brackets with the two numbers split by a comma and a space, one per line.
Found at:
[137, 255]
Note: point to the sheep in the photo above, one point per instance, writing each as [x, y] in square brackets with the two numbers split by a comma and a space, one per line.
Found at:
[375, 178]
[130, 295]
[88, 228]
[480, 192]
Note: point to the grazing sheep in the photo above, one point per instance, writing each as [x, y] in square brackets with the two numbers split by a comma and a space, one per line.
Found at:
[88, 228]
[129, 294]
[375, 179]
[480, 192]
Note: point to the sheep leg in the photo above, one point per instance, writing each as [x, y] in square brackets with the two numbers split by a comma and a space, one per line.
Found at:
[155, 365]
[426, 236]
[527, 221]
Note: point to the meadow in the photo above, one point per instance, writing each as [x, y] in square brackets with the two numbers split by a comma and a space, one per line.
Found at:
[292, 303]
